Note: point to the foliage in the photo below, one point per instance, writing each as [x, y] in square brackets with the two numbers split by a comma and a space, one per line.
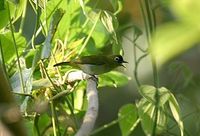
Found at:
[72, 28]
[174, 38]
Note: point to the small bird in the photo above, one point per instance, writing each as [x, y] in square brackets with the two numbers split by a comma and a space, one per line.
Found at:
[95, 64]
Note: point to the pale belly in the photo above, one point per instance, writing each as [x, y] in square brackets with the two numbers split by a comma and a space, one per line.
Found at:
[94, 69]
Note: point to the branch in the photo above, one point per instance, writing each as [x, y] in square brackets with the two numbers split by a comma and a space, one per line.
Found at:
[92, 110]
[92, 97]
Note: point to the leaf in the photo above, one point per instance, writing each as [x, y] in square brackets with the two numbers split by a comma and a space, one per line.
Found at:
[113, 78]
[67, 23]
[172, 39]
[110, 23]
[186, 11]
[27, 80]
[117, 5]
[42, 83]
[175, 109]
[78, 99]
[4, 16]
[127, 117]
[46, 50]
[148, 92]
[2, 5]
[146, 112]
[8, 45]
[17, 8]
[100, 35]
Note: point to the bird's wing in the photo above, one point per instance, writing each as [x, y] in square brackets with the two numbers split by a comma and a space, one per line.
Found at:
[91, 60]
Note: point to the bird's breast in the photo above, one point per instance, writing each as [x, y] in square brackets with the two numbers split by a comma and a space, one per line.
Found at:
[94, 69]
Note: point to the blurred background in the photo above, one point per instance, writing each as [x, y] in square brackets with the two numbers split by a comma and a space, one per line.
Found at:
[180, 74]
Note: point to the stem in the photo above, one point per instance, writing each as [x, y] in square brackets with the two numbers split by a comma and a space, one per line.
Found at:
[90, 34]
[53, 118]
[16, 51]
[36, 130]
[23, 17]
[36, 25]
[156, 84]
[137, 61]
[150, 24]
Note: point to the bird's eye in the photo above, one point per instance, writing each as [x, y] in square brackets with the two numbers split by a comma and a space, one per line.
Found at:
[117, 59]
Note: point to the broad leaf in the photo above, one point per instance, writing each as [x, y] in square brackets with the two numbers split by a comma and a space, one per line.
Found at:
[46, 50]
[172, 39]
[187, 11]
[149, 93]
[127, 117]
[175, 109]
[8, 45]
[146, 112]
[113, 78]
[15, 81]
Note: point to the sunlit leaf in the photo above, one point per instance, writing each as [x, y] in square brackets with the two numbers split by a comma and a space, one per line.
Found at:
[187, 11]
[79, 98]
[8, 45]
[146, 112]
[175, 109]
[110, 22]
[46, 50]
[42, 83]
[117, 5]
[127, 117]
[172, 39]
[70, 19]
[113, 79]
[149, 92]
[100, 35]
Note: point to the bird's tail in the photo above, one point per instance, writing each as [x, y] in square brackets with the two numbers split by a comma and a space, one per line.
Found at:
[60, 64]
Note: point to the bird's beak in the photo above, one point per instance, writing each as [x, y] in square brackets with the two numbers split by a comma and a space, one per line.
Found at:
[123, 62]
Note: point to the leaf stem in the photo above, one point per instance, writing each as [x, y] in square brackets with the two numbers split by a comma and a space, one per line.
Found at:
[90, 34]
[23, 17]
[150, 23]
[16, 51]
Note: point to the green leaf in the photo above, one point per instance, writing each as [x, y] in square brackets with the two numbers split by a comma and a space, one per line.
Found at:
[79, 98]
[127, 119]
[100, 35]
[175, 109]
[42, 83]
[117, 5]
[110, 23]
[187, 11]
[172, 39]
[146, 112]
[148, 92]
[29, 124]
[69, 20]
[113, 78]
[2, 5]
[8, 45]
[4, 18]
[16, 8]
[46, 50]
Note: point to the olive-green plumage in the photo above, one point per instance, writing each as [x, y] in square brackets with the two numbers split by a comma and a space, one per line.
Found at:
[95, 64]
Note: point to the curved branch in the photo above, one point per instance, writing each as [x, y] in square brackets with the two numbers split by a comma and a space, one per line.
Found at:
[92, 110]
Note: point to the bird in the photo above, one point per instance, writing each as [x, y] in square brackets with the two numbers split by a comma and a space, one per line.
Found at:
[95, 64]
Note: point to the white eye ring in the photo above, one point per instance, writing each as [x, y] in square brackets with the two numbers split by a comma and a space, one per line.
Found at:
[116, 58]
